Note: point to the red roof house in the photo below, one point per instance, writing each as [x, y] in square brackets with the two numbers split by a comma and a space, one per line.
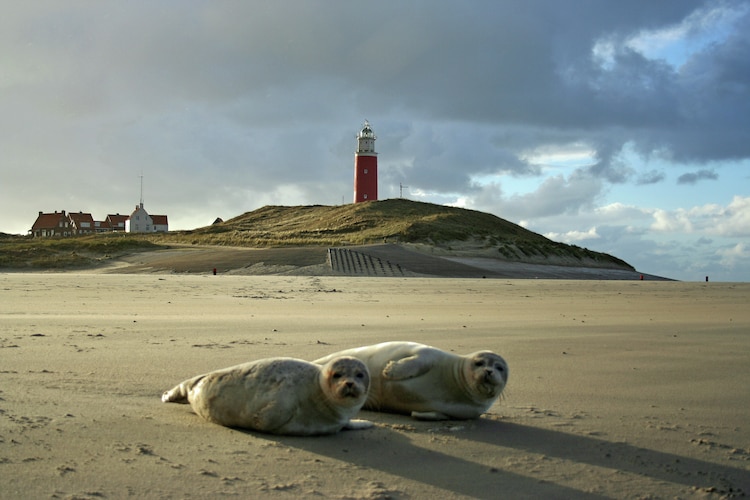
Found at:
[54, 224]
[116, 222]
[81, 223]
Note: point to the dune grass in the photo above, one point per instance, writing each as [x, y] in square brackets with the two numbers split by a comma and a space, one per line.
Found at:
[23, 252]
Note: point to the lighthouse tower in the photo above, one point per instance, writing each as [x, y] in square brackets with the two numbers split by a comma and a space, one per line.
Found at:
[365, 166]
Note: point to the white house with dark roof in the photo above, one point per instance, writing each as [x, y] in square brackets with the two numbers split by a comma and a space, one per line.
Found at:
[141, 222]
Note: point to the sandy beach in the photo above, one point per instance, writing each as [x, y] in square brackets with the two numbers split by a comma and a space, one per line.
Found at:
[617, 389]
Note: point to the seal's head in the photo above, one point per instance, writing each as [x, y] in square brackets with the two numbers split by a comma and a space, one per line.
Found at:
[347, 380]
[488, 372]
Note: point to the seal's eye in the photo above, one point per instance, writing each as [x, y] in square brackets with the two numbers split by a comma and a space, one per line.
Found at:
[479, 363]
[360, 375]
[336, 375]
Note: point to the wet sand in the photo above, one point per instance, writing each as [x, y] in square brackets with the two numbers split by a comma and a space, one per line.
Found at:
[618, 389]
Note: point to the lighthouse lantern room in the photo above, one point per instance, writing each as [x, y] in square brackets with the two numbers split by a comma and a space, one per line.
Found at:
[365, 166]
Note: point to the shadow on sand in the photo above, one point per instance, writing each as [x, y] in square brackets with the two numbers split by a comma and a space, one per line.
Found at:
[393, 452]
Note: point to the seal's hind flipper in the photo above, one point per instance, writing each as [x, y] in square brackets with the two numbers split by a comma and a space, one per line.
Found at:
[174, 396]
[179, 393]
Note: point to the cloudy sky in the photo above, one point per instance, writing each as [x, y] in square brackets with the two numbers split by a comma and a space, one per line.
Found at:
[623, 127]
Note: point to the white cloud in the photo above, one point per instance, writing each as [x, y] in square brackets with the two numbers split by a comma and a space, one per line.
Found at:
[574, 236]
[616, 212]
[735, 256]
[561, 155]
[734, 221]
[677, 42]
[674, 221]
[712, 219]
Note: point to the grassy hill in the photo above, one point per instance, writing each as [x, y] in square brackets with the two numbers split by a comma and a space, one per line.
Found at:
[422, 226]
[23, 252]
[360, 223]
[454, 231]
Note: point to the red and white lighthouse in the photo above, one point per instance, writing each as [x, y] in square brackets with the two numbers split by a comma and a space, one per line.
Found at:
[365, 166]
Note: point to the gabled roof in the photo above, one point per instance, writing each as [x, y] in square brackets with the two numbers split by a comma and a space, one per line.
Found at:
[116, 221]
[117, 218]
[137, 209]
[78, 218]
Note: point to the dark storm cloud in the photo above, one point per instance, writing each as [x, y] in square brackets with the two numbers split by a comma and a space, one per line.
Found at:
[650, 177]
[253, 97]
[700, 175]
[502, 64]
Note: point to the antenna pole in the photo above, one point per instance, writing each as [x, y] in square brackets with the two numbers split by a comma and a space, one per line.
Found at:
[141, 176]
[401, 188]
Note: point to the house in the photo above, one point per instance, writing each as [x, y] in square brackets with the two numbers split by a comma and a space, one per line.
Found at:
[116, 222]
[62, 224]
[141, 222]
[81, 223]
[54, 224]
[161, 225]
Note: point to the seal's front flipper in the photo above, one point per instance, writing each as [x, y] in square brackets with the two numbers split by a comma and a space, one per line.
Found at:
[357, 424]
[429, 415]
[406, 368]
